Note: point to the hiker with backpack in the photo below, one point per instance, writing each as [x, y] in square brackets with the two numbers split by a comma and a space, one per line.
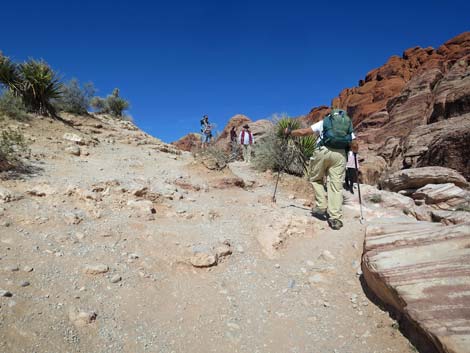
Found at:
[246, 140]
[335, 139]
[206, 130]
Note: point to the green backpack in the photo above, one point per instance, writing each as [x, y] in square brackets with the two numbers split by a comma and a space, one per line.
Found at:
[337, 130]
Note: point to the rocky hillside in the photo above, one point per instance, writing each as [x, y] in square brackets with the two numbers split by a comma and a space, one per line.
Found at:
[112, 241]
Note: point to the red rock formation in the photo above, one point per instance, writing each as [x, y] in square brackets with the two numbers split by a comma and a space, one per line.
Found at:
[395, 102]
[188, 142]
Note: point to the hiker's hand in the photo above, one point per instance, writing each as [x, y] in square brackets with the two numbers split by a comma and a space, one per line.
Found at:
[287, 131]
[354, 146]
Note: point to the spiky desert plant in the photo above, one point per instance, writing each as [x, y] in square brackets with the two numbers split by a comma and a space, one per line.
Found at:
[9, 75]
[40, 85]
[34, 81]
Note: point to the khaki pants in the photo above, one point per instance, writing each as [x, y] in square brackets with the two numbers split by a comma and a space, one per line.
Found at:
[247, 153]
[330, 163]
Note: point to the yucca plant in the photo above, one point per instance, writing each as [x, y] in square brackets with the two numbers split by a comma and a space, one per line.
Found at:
[277, 152]
[39, 86]
[34, 81]
[302, 147]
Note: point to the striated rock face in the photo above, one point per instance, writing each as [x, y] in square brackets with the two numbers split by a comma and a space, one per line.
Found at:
[418, 177]
[428, 290]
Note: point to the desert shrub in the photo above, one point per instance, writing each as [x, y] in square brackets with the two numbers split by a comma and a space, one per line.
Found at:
[112, 104]
[375, 198]
[12, 106]
[276, 152]
[34, 81]
[75, 99]
[12, 144]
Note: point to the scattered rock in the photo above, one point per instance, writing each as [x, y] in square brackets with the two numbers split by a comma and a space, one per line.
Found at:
[73, 150]
[223, 250]
[12, 268]
[7, 195]
[82, 318]
[229, 182]
[5, 293]
[116, 278]
[96, 269]
[74, 138]
[316, 278]
[28, 269]
[201, 259]
[133, 256]
[326, 255]
[24, 284]
[41, 190]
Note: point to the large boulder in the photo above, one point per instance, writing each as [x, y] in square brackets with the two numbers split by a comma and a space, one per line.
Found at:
[414, 178]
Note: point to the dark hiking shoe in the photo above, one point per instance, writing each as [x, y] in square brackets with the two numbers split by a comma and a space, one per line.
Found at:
[319, 214]
[335, 224]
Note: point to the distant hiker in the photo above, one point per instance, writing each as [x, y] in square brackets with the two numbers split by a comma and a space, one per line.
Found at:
[336, 136]
[246, 140]
[233, 141]
[351, 173]
[206, 130]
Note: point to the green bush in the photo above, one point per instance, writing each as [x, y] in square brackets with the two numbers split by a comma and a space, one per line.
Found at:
[112, 104]
[12, 106]
[12, 144]
[75, 99]
[34, 81]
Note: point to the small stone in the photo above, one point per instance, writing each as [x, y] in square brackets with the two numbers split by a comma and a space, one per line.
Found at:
[5, 293]
[201, 259]
[316, 278]
[73, 150]
[24, 284]
[223, 250]
[28, 269]
[133, 256]
[326, 255]
[96, 269]
[12, 268]
[277, 266]
[291, 284]
[116, 278]
[82, 318]
[326, 304]
[240, 249]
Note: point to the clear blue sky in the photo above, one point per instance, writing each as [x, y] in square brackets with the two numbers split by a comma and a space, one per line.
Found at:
[177, 60]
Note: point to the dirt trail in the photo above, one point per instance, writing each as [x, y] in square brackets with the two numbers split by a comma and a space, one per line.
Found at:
[290, 285]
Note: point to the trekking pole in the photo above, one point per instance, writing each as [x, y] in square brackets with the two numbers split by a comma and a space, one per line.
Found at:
[361, 220]
[275, 187]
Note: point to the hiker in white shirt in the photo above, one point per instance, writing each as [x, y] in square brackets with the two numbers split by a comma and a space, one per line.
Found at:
[246, 140]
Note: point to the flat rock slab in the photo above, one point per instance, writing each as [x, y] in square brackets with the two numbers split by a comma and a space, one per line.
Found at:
[422, 270]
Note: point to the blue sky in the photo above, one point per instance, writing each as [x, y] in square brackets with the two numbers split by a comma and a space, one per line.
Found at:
[178, 60]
